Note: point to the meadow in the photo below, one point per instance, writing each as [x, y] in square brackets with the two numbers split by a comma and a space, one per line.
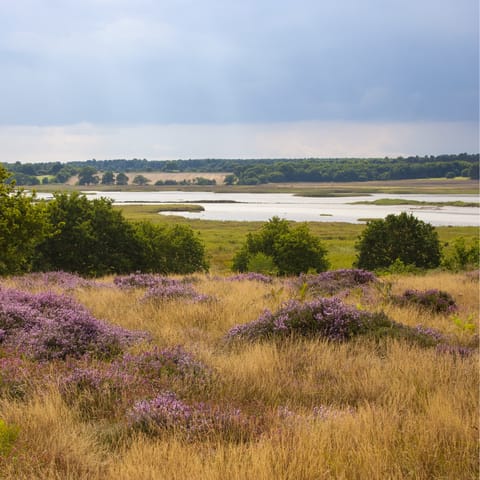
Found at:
[344, 376]
[223, 239]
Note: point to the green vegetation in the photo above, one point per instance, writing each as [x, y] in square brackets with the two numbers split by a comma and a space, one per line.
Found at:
[398, 237]
[255, 172]
[401, 201]
[179, 207]
[292, 250]
[224, 239]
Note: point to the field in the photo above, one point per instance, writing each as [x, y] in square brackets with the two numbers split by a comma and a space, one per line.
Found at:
[296, 406]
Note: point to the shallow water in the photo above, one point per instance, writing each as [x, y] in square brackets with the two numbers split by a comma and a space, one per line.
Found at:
[262, 206]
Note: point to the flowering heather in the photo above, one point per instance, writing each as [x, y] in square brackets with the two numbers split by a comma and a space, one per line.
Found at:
[167, 413]
[62, 280]
[156, 364]
[251, 276]
[52, 326]
[172, 291]
[331, 319]
[146, 280]
[454, 350]
[15, 377]
[435, 301]
[326, 317]
[334, 281]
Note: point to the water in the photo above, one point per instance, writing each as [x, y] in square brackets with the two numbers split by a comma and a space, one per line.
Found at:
[262, 206]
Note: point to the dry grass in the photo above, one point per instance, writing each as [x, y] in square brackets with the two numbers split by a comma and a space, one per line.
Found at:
[397, 411]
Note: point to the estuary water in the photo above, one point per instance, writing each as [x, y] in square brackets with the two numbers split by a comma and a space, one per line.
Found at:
[262, 206]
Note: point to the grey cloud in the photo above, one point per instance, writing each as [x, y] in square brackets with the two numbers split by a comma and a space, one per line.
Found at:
[182, 61]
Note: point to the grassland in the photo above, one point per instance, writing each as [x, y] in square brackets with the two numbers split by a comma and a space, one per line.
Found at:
[223, 239]
[391, 409]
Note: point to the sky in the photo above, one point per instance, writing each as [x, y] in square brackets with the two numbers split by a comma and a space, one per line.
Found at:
[167, 79]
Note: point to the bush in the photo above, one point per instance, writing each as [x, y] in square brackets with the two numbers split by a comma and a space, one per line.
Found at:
[331, 319]
[435, 301]
[48, 326]
[167, 413]
[401, 237]
[292, 250]
[23, 226]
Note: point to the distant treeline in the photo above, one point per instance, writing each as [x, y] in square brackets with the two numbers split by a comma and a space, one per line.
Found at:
[258, 171]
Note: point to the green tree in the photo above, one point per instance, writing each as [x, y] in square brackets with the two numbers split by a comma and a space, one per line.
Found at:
[108, 178]
[86, 176]
[168, 249]
[299, 251]
[140, 180]
[401, 237]
[122, 179]
[23, 226]
[292, 250]
[90, 237]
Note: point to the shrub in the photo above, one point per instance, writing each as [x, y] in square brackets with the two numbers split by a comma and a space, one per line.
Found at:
[292, 250]
[435, 301]
[48, 326]
[401, 237]
[167, 413]
[327, 318]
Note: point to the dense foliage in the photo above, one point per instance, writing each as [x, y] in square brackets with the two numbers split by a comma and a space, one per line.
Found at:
[23, 224]
[292, 250]
[90, 237]
[255, 171]
[398, 237]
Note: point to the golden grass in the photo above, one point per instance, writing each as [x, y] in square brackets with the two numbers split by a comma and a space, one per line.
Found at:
[398, 411]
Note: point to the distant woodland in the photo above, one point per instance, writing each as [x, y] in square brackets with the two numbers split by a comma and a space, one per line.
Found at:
[259, 171]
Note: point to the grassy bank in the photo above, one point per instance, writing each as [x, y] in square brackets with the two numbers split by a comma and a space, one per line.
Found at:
[313, 408]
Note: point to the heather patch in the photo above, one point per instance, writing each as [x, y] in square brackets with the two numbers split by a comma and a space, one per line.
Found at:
[250, 276]
[172, 362]
[434, 301]
[108, 389]
[166, 413]
[52, 326]
[15, 377]
[147, 280]
[58, 279]
[333, 281]
[173, 291]
[327, 318]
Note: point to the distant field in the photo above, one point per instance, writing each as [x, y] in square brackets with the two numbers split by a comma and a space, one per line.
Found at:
[180, 176]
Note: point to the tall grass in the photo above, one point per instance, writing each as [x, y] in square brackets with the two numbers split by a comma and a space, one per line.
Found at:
[314, 409]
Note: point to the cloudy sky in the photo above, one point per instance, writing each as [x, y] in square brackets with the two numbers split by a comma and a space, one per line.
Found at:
[163, 79]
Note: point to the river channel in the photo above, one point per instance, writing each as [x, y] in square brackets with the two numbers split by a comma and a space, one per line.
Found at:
[262, 206]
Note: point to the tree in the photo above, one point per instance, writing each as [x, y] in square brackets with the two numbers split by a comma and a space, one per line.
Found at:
[292, 250]
[140, 180]
[90, 237]
[23, 226]
[172, 249]
[122, 179]
[87, 176]
[108, 178]
[398, 237]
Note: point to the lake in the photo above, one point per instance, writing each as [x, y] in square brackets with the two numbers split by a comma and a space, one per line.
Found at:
[262, 206]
